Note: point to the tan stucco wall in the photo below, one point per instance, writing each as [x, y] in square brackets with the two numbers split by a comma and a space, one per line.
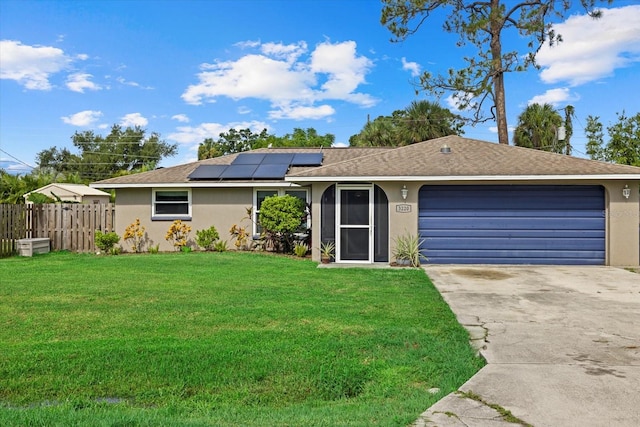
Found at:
[221, 207]
[227, 206]
[622, 224]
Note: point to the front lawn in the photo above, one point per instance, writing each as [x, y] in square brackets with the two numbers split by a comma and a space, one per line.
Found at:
[224, 339]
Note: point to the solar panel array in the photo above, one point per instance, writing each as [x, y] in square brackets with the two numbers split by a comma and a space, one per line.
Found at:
[256, 166]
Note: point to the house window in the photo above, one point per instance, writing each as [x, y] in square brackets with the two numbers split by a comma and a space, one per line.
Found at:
[262, 194]
[171, 204]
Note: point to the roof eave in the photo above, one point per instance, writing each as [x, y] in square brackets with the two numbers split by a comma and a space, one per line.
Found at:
[431, 178]
[197, 184]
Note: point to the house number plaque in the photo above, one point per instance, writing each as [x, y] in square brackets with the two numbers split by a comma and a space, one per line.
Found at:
[403, 208]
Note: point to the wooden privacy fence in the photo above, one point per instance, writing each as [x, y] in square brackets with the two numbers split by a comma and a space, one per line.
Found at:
[68, 226]
[13, 226]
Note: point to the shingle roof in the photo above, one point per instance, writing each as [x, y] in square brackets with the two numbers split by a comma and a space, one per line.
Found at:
[179, 174]
[79, 189]
[468, 158]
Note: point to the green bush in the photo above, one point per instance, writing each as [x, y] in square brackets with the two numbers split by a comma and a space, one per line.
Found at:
[106, 241]
[220, 246]
[301, 249]
[39, 198]
[206, 239]
[407, 248]
[280, 217]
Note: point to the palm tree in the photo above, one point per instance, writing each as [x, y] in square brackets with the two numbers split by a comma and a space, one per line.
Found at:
[424, 120]
[381, 132]
[538, 128]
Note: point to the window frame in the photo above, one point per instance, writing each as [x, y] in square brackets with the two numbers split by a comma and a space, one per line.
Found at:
[278, 192]
[170, 216]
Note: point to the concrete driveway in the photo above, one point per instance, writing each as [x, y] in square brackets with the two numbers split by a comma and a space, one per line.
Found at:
[562, 345]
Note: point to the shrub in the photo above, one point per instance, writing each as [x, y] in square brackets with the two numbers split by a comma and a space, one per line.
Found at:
[106, 241]
[178, 234]
[206, 239]
[280, 217]
[408, 249]
[135, 235]
[39, 198]
[241, 237]
[154, 249]
[301, 249]
[220, 246]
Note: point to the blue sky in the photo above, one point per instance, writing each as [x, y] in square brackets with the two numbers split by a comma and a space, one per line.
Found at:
[192, 69]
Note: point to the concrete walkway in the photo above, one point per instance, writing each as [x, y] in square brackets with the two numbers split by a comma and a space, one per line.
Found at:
[562, 346]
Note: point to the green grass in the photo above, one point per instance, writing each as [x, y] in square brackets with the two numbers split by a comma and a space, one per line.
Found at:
[224, 339]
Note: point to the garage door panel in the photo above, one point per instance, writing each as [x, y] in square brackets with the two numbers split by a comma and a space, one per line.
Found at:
[513, 224]
[544, 213]
[490, 223]
[583, 259]
[496, 244]
[570, 234]
[495, 200]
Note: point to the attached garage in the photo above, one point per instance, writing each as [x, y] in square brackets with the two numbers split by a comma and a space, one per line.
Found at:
[513, 224]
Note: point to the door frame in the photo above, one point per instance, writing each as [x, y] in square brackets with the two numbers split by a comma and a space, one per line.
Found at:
[369, 226]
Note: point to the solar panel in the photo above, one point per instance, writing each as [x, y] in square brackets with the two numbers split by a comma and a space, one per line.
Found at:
[278, 158]
[271, 171]
[257, 166]
[307, 159]
[249, 159]
[239, 172]
[208, 172]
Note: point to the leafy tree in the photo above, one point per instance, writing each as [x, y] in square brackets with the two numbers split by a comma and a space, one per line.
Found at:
[280, 217]
[381, 132]
[595, 138]
[482, 24]
[122, 151]
[569, 113]
[538, 128]
[299, 138]
[14, 187]
[623, 146]
[421, 121]
[236, 141]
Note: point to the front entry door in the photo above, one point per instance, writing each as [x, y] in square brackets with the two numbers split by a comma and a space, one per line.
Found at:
[353, 220]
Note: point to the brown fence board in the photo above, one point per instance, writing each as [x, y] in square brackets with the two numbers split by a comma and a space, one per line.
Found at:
[69, 226]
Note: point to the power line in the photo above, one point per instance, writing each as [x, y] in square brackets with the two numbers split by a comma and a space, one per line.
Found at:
[17, 159]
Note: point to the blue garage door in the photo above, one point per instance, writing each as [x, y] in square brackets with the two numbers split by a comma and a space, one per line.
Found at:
[511, 224]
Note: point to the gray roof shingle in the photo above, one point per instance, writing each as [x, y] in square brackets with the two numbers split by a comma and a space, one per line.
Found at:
[468, 158]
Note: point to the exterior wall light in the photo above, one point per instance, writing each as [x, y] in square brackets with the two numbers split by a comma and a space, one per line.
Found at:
[405, 192]
[626, 191]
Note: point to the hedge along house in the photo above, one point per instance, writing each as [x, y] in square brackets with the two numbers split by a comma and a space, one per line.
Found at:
[471, 201]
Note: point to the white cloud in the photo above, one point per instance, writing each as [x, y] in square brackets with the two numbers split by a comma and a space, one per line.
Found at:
[83, 118]
[553, 97]
[252, 76]
[192, 136]
[288, 77]
[346, 71]
[303, 112]
[182, 118]
[289, 52]
[133, 119]
[454, 100]
[412, 67]
[592, 49]
[78, 82]
[123, 81]
[31, 66]
[243, 109]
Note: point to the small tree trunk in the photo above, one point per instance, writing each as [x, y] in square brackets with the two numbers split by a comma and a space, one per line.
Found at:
[496, 23]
